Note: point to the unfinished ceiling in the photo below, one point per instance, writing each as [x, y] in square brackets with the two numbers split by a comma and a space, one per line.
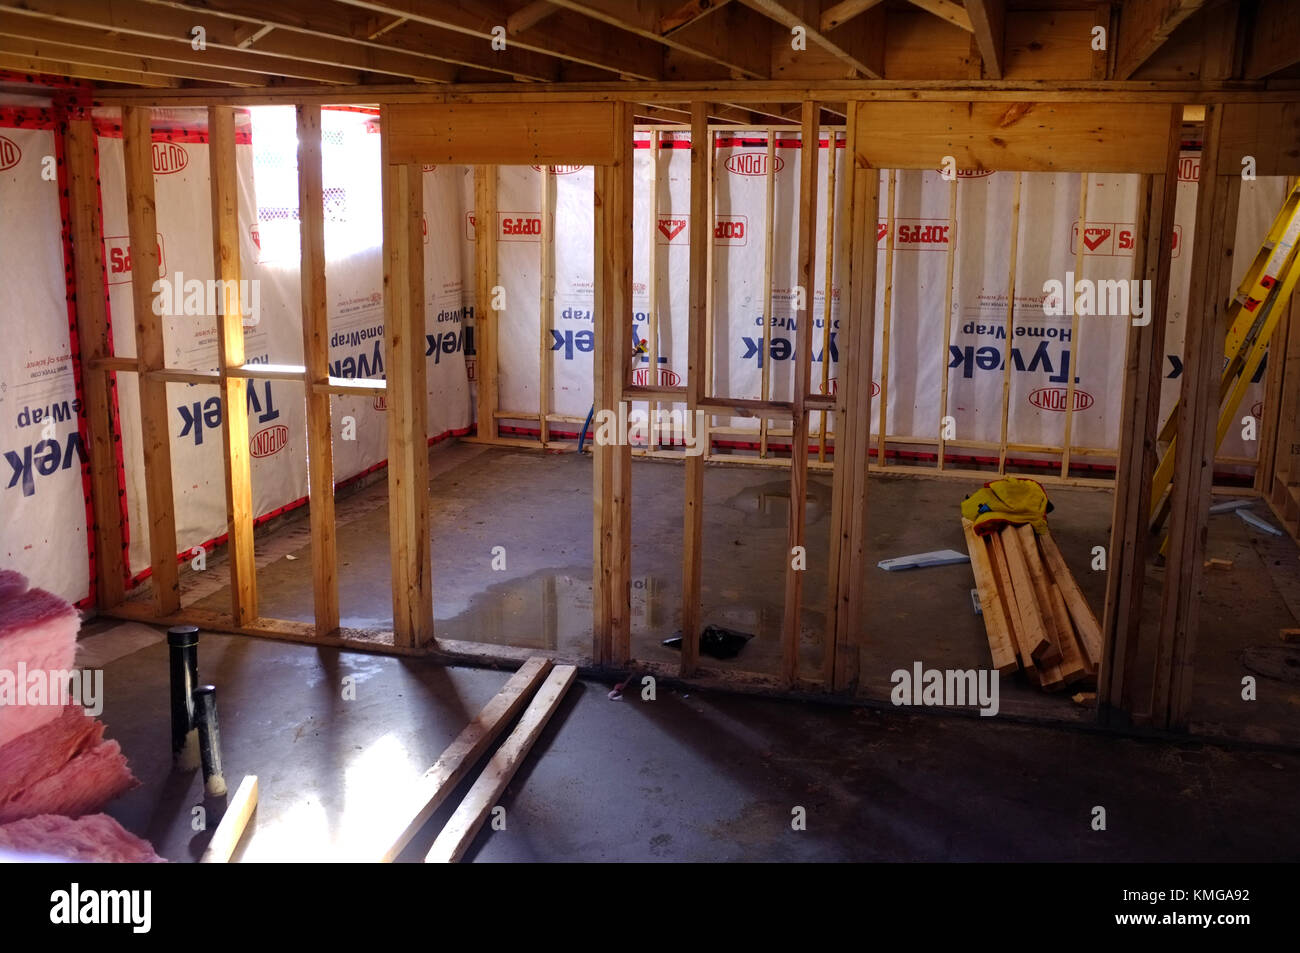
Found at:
[303, 43]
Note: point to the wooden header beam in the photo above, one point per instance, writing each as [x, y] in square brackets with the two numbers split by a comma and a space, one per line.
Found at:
[533, 134]
[1024, 137]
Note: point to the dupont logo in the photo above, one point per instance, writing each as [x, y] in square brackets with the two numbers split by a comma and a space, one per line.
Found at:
[643, 377]
[428, 168]
[672, 227]
[10, 154]
[752, 163]
[169, 157]
[875, 388]
[269, 441]
[970, 173]
[1257, 410]
[379, 402]
[1055, 398]
[559, 169]
[1189, 169]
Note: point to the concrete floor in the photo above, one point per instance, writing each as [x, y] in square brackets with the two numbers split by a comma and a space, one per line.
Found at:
[690, 776]
[537, 507]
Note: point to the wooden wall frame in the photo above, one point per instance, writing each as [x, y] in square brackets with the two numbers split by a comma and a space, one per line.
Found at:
[893, 126]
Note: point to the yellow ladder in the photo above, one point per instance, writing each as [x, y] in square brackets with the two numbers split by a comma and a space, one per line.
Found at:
[1254, 313]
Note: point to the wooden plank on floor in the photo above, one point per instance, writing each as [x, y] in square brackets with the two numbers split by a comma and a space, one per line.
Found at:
[995, 624]
[224, 179]
[92, 336]
[459, 833]
[1032, 629]
[461, 755]
[1074, 665]
[225, 839]
[142, 225]
[316, 350]
[1038, 576]
[1006, 589]
[407, 400]
[696, 357]
[1085, 623]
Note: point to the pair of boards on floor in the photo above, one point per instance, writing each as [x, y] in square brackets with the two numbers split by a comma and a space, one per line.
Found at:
[454, 764]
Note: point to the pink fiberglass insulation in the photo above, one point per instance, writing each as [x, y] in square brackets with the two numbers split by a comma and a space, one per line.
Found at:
[63, 767]
[38, 634]
[96, 838]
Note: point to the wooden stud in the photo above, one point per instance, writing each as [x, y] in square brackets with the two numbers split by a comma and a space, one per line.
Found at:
[1197, 420]
[1010, 323]
[769, 219]
[827, 297]
[1073, 369]
[458, 835]
[612, 465]
[460, 756]
[883, 427]
[806, 270]
[315, 349]
[142, 224]
[845, 615]
[547, 305]
[1033, 628]
[1084, 622]
[407, 402]
[697, 358]
[652, 292]
[230, 353]
[1074, 665]
[485, 318]
[1117, 684]
[92, 336]
[947, 315]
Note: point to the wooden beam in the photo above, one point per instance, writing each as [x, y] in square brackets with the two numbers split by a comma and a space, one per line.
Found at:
[697, 30]
[458, 835]
[407, 399]
[92, 336]
[988, 22]
[460, 756]
[546, 304]
[1197, 419]
[315, 347]
[846, 616]
[612, 464]
[227, 267]
[806, 264]
[155, 413]
[16, 63]
[1010, 323]
[696, 357]
[945, 344]
[1144, 25]
[1274, 39]
[1025, 137]
[128, 62]
[844, 11]
[954, 13]
[527, 17]
[805, 14]
[882, 428]
[574, 132]
[485, 316]
[323, 62]
[239, 809]
[560, 36]
[1075, 342]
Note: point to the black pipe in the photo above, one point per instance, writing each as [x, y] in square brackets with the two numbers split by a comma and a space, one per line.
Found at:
[183, 643]
[205, 717]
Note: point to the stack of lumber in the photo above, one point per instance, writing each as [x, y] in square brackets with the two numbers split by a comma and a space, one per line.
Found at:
[55, 764]
[1035, 616]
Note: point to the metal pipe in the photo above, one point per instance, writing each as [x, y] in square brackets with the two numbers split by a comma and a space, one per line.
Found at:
[183, 645]
[205, 717]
